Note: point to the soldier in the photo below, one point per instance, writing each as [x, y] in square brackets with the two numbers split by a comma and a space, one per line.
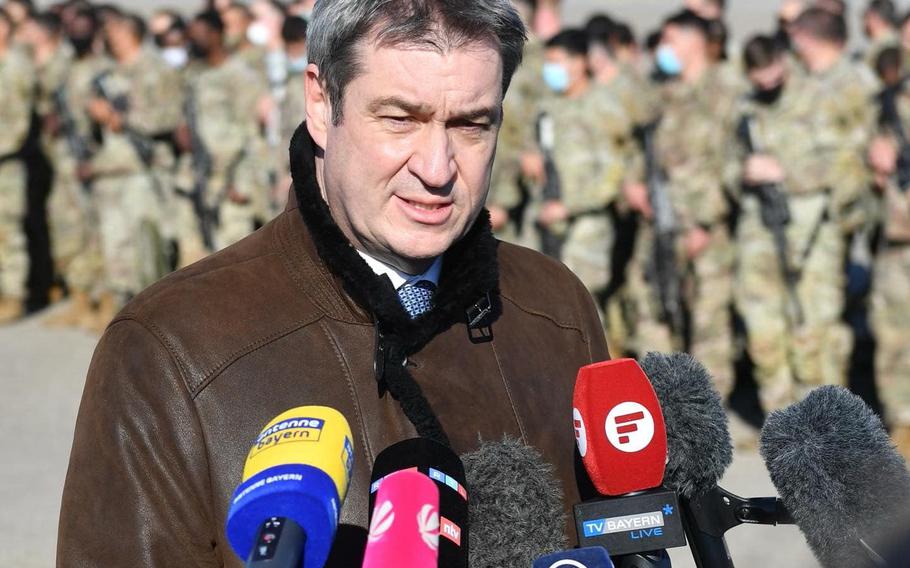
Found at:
[844, 115]
[16, 76]
[219, 131]
[292, 109]
[590, 147]
[890, 300]
[690, 155]
[789, 281]
[880, 26]
[134, 105]
[509, 192]
[73, 219]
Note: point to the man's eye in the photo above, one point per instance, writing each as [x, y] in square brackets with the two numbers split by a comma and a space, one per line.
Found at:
[397, 120]
[472, 126]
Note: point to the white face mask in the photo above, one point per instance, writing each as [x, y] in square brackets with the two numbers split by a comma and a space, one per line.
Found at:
[258, 33]
[175, 57]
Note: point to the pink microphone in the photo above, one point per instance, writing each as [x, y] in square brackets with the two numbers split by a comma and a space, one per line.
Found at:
[404, 529]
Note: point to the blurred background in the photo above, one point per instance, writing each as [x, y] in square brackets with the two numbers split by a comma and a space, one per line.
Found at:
[187, 109]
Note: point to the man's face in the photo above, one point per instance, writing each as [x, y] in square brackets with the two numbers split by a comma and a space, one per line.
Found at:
[575, 65]
[407, 170]
[235, 24]
[201, 38]
[688, 44]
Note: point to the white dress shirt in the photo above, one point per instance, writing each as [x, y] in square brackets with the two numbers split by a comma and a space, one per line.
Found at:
[400, 278]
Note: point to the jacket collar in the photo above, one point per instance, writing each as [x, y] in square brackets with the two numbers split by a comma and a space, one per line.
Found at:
[469, 275]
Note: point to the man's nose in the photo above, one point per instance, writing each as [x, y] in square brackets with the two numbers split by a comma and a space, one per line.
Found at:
[433, 160]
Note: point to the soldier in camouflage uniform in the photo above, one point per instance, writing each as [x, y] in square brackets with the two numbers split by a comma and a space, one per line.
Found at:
[221, 91]
[880, 25]
[134, 105]
[890, 297]
[794, 335]
[509, 186]
[292, 108]
[592, 138]
[16, 78]
[73, 220]
[691, 141]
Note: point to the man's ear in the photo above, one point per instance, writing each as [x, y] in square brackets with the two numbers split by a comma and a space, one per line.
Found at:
[318, 106]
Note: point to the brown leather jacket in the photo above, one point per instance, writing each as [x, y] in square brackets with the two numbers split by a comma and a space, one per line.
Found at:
[186, 376]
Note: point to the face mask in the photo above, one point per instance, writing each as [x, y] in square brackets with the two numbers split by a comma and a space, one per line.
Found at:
[768, 96]
[82, 45]
[298, 64]
[258, 33]
[556, 77]
[667, 61]
[175, 57]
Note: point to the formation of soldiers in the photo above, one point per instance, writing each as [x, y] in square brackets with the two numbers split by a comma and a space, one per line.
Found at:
[713, 197]
[167, 140]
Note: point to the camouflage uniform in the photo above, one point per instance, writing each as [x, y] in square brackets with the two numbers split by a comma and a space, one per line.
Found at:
[72, 219]
[891, 301]
[224, 99]
[692, 142]
[516, 136]
[16, 78]
[292, 114]
[823, 167]
[126, 188]
[593, 137]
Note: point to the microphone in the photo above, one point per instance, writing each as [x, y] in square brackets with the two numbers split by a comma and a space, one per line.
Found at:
[516, 509]
[285, 511]
[590, 557]
[443, 467]
[834, 466]
[619, 428]
[404, 527]
[699, 451]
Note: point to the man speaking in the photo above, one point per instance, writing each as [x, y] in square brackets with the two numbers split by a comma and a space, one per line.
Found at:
[379, 292]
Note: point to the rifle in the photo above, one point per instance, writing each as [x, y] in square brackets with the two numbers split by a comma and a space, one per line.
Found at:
[551, 243]
[77, 144]
[662, 270]
[144, 145]
[202, 170]
[775, 216]
[890, 118]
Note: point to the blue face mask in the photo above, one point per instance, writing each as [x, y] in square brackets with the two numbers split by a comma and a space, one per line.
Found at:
[297, 65]
[667, 60]
[556, 77]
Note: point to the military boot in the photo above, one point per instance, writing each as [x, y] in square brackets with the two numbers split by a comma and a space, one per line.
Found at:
[73, 315]
[11, 309]
[107, 309]
[901, 437]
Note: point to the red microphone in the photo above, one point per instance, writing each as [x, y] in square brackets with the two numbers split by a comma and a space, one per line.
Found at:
[619, 427]
[404, 529]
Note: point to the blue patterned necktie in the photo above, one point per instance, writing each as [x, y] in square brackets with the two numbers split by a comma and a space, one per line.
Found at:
[417, 297]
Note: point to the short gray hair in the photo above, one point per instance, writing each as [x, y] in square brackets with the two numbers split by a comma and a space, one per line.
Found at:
[339, 27]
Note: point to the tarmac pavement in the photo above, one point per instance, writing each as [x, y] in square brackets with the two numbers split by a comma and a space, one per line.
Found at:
[43, 372]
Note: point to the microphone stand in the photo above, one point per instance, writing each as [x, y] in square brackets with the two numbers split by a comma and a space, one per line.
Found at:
[711, 515]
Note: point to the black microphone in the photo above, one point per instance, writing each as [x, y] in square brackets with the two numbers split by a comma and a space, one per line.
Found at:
[443, 466]
[699, 450]
[834, 466]
[516, 507]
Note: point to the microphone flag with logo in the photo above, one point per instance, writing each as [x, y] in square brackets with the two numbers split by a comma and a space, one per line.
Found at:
[404, 527]
[446, 470]
[299, 468]
[619, 427]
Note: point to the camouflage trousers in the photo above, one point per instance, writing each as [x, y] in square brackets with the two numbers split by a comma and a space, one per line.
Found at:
[75, 242]
[128, 209]
[14, 261]
[707, 289]
[891, 322]
[792, 359]
[235, 222]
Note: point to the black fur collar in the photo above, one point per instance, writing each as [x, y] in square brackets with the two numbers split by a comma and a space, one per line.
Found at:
[469, 274]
